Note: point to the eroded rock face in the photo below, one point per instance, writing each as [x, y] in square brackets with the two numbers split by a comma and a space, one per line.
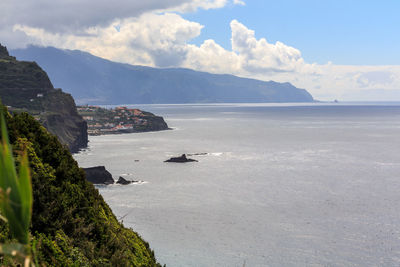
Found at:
[181, 159]
[24, 86]
[98, 175]
[67, 124]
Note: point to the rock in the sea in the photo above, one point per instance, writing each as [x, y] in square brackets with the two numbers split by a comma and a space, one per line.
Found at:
[98, 175]
[123, 181]
[181, 159]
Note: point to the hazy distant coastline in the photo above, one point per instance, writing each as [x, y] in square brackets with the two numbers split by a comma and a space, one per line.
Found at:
[94, 80]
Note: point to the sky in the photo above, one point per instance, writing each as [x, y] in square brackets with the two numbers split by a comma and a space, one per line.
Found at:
[346, 50]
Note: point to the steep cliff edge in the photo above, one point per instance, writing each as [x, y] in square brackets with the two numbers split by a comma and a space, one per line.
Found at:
[24, 86]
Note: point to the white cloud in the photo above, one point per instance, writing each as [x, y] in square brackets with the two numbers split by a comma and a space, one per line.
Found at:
[191, 6]
[146, 37]
[154, 40]
[249, 57]
[75, 16]
[239, 2]
[261, 56]
[211, 57]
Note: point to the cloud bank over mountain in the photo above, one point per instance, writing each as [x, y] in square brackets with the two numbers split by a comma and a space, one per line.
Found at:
[154, 33]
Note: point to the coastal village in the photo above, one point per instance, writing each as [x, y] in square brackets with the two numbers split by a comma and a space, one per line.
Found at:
[119, 120]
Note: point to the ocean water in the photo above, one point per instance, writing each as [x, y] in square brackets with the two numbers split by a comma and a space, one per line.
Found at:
[280, 185]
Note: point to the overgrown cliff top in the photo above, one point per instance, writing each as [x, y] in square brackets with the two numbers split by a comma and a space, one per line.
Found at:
[3, 52]
[25, 86]
[4, 55]
[21, 74]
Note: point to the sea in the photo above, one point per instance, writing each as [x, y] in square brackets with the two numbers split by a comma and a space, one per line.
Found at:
[275, 184]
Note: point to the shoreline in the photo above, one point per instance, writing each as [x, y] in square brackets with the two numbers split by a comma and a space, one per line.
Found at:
[129, 131]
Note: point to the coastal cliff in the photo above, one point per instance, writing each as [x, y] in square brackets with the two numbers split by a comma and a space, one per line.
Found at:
[24, 86]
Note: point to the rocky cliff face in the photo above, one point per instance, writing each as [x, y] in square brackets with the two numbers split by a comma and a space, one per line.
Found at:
[24, 86]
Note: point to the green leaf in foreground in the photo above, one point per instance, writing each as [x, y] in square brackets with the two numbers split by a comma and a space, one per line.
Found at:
[15, 193]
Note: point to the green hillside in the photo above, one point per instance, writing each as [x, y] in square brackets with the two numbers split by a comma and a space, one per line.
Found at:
[71, 223]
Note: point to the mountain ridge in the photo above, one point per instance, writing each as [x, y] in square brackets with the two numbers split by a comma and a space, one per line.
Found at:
[94, 80]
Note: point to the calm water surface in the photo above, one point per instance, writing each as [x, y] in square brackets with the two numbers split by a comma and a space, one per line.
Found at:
[281, 185]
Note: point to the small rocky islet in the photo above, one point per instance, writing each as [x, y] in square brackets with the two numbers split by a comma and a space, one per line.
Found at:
[100, 176]
[181, 159]
[123, 181]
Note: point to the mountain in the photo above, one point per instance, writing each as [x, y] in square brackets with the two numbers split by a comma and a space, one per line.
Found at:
[93, 80]
[24, 86]
[71, 223]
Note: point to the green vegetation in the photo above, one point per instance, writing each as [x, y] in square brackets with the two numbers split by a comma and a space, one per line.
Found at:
[71, 224]
[21, 74]
[15, 201]
[16, 193]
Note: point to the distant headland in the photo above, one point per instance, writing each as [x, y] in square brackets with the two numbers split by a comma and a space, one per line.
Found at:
[120, 120]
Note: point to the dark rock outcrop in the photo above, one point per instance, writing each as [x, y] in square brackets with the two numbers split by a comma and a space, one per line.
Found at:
[123, 181]
[181, 159]
[4, 53]
[98, 175]
[154, 123]
[24, 86]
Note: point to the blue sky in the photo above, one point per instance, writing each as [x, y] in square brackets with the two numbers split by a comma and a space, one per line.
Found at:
[343, 32]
